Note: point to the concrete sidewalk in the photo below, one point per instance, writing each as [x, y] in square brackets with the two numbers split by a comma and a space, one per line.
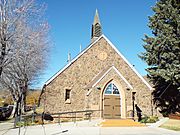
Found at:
[88, 128]
[6, 126]
[158, 123]
[75, 130]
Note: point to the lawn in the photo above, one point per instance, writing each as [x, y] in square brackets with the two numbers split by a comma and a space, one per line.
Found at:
[172, 124]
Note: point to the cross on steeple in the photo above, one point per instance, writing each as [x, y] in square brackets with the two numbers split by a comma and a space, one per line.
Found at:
[96, 28]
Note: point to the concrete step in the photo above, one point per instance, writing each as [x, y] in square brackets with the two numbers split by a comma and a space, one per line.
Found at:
[120, 123]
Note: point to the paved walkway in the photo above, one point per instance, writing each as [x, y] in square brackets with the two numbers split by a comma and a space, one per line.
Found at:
[75, 130]
[5, 126]
[88, 128]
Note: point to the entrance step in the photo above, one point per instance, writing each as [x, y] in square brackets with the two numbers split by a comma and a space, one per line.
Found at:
[120, 123]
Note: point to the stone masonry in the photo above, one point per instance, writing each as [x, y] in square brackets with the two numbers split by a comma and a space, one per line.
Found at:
[80, 73]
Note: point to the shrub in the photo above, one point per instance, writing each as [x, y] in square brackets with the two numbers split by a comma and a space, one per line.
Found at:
[151, 119]
[165, 114]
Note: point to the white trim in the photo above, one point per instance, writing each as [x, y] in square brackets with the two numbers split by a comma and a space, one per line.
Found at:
[54, 76]
[130, 86]
[102, 77]
[144, 81]
[121, 76]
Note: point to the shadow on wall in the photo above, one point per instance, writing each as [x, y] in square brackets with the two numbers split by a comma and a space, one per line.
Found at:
[139, 112]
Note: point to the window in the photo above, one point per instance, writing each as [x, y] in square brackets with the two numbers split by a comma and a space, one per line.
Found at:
[111, 89]
[67, 94]
[115, 89]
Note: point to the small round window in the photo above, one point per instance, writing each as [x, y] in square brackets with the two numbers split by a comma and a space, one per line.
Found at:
[111, 89]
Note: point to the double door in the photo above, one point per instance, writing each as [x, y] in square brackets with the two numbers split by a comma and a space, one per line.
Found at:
[112, 107]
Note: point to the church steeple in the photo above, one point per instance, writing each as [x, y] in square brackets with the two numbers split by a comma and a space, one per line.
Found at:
[96, 28]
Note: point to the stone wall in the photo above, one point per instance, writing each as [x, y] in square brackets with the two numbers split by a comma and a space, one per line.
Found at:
[82, 71]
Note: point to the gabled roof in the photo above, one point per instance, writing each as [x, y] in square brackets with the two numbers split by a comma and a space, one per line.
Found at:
[102, 74]
[102, 36]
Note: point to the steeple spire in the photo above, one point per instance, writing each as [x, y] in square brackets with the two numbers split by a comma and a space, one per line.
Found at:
[96, 18]
[96, 27]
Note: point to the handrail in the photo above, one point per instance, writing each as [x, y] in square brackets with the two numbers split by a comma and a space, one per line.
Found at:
[39, 114]
[74, 115]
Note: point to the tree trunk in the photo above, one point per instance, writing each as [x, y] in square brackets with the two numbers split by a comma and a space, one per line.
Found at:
[25, 89]
[2, 56]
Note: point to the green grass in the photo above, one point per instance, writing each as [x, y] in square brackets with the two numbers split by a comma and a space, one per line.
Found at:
[172, 125]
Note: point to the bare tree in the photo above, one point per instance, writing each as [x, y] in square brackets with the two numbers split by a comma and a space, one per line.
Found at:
[24, 47]
[14, 13]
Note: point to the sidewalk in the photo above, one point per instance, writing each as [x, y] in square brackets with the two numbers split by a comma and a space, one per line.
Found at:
[75, 130]
[88, 128]
[158, 123]
[5, 126]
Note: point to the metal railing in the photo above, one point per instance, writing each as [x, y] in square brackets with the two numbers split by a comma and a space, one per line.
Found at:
[70, 116]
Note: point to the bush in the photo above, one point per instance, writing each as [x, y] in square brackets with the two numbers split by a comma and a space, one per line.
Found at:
[151, 119]
[144, 119]
[25, 121]
[165, 114]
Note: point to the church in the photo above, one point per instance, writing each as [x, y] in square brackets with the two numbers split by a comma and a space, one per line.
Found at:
[100, 79]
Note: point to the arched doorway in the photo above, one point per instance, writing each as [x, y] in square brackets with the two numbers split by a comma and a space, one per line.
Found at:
[111, 102]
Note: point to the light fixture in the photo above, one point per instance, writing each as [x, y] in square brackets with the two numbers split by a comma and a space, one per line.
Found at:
[98, 88]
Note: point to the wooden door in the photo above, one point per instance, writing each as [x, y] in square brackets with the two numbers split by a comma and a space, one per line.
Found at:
[116, 107]
[112, 107]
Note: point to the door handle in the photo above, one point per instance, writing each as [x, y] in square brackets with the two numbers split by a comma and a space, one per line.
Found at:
[113, 107]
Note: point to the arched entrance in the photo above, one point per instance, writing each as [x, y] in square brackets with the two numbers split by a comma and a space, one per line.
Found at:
[111, 102]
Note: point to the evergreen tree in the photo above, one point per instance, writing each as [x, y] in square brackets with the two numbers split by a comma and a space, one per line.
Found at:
[163, 54]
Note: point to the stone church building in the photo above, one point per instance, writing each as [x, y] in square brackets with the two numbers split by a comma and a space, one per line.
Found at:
[100, 79]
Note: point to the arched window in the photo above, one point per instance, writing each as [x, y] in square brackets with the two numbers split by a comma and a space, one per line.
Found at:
[111, 89]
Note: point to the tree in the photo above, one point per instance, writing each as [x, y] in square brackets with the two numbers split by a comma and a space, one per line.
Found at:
[26, 49]
[27, 66]
[163, 54]
[14, 13]
[32, 97]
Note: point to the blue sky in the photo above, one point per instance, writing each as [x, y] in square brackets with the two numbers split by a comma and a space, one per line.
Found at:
[124, 23]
